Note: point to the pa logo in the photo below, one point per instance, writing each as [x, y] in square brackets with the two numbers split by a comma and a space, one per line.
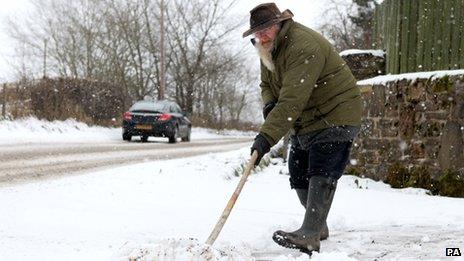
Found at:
[453, 251]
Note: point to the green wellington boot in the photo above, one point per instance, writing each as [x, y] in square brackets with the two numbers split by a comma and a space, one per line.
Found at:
[303, 196]
[307, 238]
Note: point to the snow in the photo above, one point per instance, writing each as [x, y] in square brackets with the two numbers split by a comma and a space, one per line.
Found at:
[182, 249]
[165, 210]
[33, 130]
[378, 53]
[383, 79]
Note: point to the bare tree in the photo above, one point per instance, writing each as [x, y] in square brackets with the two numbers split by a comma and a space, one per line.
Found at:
[200, 27]
[118, 41]
[348, 23]
[338, 26]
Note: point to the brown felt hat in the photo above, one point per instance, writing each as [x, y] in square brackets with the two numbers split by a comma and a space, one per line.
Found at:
[265, 15]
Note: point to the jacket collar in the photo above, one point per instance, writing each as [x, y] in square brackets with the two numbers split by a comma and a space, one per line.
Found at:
[281, 37]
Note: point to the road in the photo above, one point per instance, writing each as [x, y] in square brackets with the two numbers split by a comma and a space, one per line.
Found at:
[26, 162]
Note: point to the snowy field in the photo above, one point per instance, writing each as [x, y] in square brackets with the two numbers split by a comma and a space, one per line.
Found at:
[32, 130]
[165, 210]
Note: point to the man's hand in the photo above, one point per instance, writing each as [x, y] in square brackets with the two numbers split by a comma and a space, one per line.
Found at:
[268, 108]
[262, 146]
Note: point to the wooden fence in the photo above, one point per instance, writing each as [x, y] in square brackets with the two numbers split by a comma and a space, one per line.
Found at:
[420, 35]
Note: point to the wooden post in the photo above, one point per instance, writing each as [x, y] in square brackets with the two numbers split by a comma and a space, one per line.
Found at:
[378, 25]
[405, 14]
[412, 32]
[391, 37]
[461, 28]
[421, 25]
[397, 27]
[445, 63]
[428, 34]
[375, 26]
[456, 34]
[437, 33]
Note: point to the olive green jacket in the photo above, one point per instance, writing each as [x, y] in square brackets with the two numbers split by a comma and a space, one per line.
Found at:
[313, 87]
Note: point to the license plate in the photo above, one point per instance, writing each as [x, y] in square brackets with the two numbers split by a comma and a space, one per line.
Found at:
[143, 127]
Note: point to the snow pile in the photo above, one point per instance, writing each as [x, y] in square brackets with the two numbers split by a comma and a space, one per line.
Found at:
[365, 183]
[33, 130]
[383, 79]
[192, 249]
[378, 53]
[182, 249]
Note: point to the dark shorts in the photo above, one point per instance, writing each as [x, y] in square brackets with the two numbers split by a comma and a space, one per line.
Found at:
[323, 153]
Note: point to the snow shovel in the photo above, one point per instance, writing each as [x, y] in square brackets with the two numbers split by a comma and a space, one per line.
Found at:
[225, 214]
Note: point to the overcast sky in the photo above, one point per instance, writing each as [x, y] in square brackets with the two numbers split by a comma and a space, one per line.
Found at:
[307, 12]
[13, 9]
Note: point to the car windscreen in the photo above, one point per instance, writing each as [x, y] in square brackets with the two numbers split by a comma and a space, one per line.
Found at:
[150, 107]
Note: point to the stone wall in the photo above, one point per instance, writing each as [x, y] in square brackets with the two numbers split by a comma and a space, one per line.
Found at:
[365, 64]
[412, 123]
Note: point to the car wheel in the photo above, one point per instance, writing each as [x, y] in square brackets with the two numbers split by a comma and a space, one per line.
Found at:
[144, 138]
[126, 136]
[173, 137]
[187, 137]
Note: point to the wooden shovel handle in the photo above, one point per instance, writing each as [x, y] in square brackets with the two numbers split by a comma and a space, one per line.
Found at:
[225, 214]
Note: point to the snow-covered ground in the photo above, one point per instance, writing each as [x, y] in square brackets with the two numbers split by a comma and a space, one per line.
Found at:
[32, 130]
[165, 210]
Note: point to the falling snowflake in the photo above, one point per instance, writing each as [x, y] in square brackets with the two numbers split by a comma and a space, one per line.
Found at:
[353, 162]
[403, 146]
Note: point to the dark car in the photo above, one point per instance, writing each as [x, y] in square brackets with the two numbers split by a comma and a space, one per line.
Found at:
[158, 119]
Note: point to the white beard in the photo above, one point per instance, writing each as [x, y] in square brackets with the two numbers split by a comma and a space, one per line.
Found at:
[265, 53]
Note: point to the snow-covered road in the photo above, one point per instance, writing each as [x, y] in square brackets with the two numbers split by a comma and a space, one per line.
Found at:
[37, 161]
[37, 149]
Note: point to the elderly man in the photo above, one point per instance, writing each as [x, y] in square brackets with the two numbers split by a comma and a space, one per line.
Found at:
[307, 89]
